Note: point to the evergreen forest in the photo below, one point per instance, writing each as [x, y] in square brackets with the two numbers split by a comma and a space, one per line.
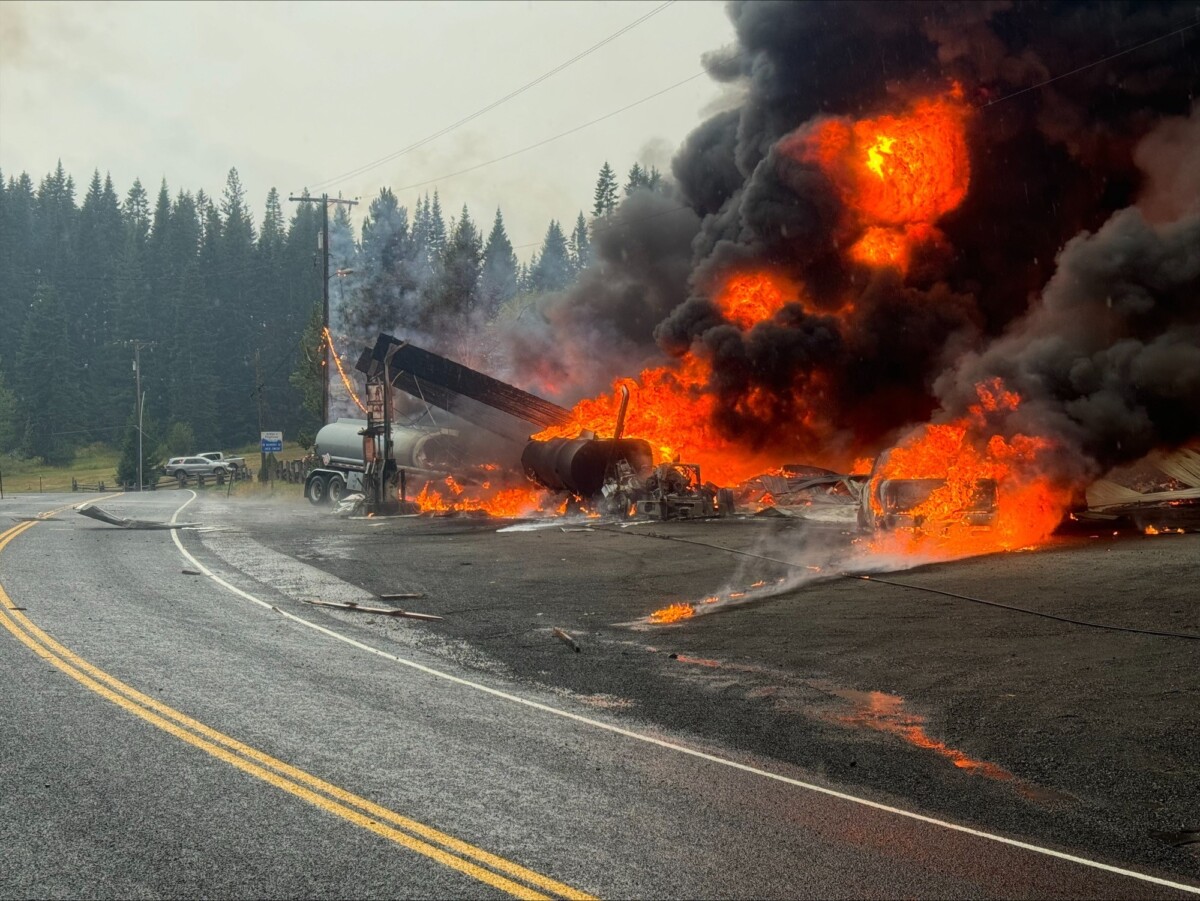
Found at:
[223, 311]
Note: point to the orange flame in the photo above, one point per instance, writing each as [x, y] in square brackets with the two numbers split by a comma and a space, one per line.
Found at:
[673, 408]
[751, 298]
[961, 453]
[672, 613]
[897, 174]
[501, 502]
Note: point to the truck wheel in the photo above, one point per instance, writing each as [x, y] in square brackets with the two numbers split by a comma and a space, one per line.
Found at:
[336, 489]
[316, 491]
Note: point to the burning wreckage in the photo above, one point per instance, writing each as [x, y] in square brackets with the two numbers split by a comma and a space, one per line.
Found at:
[957, 280]
[483, 437]
[412, 467]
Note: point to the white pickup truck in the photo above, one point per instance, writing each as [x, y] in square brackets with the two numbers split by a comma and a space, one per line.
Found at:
[234, 463]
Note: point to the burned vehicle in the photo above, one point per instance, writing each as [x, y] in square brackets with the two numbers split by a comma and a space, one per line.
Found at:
[928, 505]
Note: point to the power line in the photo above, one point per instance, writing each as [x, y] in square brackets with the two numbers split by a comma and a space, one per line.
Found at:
[625, 223]
[979, 107]
[495, 103]
[562, 134]
[1042, 84]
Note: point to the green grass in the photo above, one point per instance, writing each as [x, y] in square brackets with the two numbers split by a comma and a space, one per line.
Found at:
[94, 463]
[98, 463]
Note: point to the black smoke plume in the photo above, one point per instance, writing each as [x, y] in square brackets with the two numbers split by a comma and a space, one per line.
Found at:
[1045, 274]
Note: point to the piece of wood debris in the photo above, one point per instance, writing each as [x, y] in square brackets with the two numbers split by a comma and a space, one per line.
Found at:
[191, 572]
[566, 638]
[401, 596]
[378, 611]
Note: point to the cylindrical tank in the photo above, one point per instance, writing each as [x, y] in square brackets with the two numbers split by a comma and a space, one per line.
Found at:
[579, 464]
[412, 448]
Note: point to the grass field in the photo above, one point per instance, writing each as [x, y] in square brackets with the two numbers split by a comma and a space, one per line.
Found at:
[98, 463]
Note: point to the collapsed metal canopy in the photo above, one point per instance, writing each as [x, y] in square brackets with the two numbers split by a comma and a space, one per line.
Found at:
[459, 389]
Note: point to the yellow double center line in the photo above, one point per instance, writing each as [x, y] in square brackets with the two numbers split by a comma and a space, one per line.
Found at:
[447, 850]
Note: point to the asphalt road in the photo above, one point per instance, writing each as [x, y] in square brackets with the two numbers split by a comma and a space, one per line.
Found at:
[163, 735]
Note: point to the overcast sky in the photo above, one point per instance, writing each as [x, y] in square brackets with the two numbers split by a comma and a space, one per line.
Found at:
[298, 94]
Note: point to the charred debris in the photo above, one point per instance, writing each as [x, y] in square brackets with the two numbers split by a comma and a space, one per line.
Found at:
[466, 431]
[471, 431]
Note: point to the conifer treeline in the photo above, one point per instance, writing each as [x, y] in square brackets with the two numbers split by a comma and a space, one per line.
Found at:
[212, 296]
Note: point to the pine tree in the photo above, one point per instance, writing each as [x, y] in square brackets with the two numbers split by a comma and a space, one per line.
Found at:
[637, 179]
[99, 247]
[387, 259]
[581, 245]
[308, 378]
[8, 416]
[54, 223]
[606, 192]
[499, 274]
[462, 261]
[437, 229]
[152, 461]
[552, 271]
[240, 324]
[46, 399]
[17, 261]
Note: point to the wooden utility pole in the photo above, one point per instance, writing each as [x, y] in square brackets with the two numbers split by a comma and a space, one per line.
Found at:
[324, 200]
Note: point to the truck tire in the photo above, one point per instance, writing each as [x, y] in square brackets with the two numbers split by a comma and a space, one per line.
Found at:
[336, 489]
[316, 491]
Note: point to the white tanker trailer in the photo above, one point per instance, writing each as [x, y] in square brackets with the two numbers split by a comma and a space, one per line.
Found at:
[339, 446]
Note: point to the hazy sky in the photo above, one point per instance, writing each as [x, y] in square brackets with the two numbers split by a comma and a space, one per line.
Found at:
[297, 94]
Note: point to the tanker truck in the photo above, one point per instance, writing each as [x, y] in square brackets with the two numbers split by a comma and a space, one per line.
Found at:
[342, 449]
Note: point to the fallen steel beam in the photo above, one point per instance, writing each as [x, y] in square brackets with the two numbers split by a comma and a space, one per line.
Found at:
[442, 382]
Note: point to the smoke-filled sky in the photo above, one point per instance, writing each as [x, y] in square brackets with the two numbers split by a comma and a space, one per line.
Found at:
[297, 94]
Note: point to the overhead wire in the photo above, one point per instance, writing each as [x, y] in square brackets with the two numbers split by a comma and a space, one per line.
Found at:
[556, 137]
[871, 578]
[979, 107]
[495, 103]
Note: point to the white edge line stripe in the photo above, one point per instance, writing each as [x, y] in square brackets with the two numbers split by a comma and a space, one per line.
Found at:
[637, 736]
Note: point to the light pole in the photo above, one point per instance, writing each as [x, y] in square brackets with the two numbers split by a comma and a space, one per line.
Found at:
[137, 371]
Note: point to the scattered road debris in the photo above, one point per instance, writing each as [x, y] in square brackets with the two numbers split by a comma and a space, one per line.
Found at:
[35, 519]
[120, 522]
[402, 596]
[565, 638]
[378, 611]
[191, 572]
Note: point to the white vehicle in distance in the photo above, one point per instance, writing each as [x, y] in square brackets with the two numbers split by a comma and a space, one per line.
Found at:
[218, 457]
[184, 468]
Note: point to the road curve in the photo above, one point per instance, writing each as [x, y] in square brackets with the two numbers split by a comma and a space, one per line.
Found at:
[166, 736]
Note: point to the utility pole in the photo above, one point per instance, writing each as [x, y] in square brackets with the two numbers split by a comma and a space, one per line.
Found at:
[137, 371]
[324, 200]
[258, 389]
